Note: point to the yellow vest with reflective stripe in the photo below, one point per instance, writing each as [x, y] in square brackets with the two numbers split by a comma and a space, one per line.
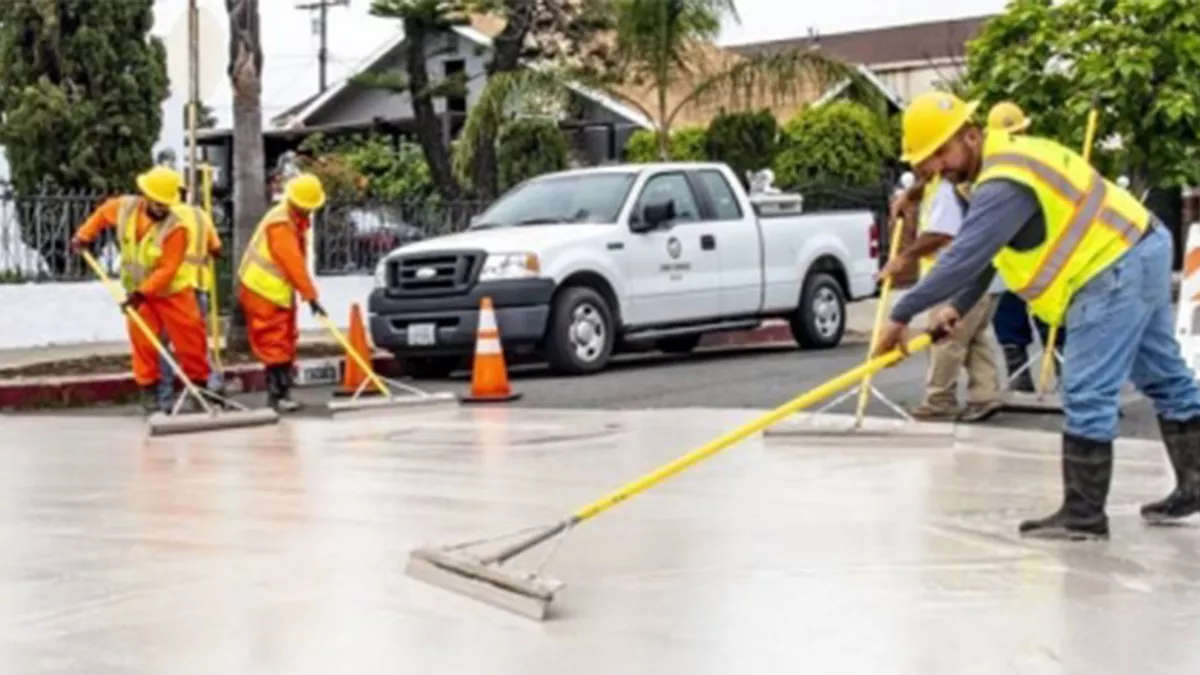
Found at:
[199, 256]
[1090, 222]
[258, 270]
[925, 210]
[140, 256]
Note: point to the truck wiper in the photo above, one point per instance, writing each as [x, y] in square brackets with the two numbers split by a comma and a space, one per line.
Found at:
[539, 221]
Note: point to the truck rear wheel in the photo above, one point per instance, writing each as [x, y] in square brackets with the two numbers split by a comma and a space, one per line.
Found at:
[820, 320]
[580, 335]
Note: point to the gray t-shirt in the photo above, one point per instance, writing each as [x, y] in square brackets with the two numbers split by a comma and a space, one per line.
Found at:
[1002, 213]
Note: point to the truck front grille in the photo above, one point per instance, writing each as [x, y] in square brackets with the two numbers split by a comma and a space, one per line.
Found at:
[433, 273]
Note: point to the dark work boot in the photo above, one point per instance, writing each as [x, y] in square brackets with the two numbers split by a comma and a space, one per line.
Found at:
[1015, 358]
[148, 398]
[280, 397]
[1183, 447]
[1087, 473]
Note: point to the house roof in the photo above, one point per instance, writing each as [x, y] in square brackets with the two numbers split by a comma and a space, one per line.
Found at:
[480, 32]
[931, 41]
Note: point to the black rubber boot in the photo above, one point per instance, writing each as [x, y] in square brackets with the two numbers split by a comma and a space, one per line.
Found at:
[1015, 358]
[281, 398]
[1087, 474]
[1183, 447]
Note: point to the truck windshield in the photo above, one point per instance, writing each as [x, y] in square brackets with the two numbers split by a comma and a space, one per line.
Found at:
[579, 198]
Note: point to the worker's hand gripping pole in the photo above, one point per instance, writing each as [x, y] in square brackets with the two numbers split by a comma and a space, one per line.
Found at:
[1051, 346]
[864, 390]
[118, 294]
[801, 402]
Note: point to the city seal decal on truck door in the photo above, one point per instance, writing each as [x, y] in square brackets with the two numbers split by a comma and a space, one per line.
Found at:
[675, 249]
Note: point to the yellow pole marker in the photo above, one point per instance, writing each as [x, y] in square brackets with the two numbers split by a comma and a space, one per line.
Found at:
[880, 316]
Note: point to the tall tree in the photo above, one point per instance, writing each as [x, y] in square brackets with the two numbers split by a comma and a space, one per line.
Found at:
[81, 88]
[530, 31]
[249, 156]
[1135, 58]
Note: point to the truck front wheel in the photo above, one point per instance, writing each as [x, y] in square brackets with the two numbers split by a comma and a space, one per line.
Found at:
[579, 337]
[820, 320]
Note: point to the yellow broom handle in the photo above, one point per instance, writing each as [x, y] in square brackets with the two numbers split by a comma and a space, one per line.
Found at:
[214, 312]
[880, 315]
[741, 433]
[119, 295]
[1051, 346]
[358, 358]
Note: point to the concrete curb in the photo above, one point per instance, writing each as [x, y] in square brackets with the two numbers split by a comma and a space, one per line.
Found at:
[116, 388]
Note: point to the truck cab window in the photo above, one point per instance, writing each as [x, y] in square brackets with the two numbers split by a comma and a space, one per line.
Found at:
[670, 187]
[724, 204]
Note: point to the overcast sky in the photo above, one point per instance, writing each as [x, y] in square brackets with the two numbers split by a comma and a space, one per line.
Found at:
[290, 45]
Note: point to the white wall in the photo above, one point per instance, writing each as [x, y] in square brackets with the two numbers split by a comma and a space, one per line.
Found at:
[41, 315]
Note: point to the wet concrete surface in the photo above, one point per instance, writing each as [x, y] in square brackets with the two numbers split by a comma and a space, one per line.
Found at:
[281, 549]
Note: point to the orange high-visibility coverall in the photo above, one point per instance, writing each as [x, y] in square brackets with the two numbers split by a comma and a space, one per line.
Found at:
[273, 332]
[177, 313]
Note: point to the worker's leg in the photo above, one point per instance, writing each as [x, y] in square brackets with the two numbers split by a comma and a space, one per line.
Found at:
[1015, 335]
[1161, 373]
[272, 331]
[166, 379]
[181, 317]
[145, 357]
[1107, 319]
[941, 382]
[983, 375]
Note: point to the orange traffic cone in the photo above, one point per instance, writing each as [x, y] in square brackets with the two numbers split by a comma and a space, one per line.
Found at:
[489, 374]
[353, 375]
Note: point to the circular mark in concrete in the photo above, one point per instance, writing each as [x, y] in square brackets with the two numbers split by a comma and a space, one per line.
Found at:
[513, 435]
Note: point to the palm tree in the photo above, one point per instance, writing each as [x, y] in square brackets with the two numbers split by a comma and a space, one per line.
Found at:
[664, 52]
[249, 161]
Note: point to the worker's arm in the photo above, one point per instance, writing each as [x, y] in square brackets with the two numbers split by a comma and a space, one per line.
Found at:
[174, 250]
[999, 209]
[286, 252]
[104, 217]
[945, 221]
[212, 241]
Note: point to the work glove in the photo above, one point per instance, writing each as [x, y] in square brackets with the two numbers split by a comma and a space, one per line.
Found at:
[78, 245]
[316, 308]
[133, 301]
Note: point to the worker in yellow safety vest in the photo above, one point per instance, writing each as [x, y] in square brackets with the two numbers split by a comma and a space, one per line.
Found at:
[1084, 253]
[273, 271]
[156, 234]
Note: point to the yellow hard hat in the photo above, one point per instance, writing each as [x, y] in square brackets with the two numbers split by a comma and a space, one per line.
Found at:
[305, 191]
[161, 184]
[1007, 116]
[931, 120]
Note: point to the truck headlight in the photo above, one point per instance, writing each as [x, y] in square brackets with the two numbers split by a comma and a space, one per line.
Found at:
[510, 266]
[381, 274]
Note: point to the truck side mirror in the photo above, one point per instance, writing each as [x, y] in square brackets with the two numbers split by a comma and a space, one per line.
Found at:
[654, 215]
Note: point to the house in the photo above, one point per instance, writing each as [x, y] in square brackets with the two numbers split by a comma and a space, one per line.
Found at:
[907, 60]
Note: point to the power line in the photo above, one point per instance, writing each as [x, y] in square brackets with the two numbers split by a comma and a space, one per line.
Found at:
[321, 7]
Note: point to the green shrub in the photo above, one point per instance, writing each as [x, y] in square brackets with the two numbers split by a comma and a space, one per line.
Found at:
[841, 143]
[685, 145]
[529, 147]
[746, 141]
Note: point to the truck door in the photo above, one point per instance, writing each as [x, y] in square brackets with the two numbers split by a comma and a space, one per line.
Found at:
[735, 237]
[674, 277]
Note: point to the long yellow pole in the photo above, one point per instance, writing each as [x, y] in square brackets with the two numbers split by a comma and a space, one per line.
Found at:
[731, 438]
[880, 315]
[214, 311]
[1051, 348]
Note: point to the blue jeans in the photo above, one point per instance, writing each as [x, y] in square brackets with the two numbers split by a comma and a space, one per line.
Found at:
[166, 380]
[1122, 328]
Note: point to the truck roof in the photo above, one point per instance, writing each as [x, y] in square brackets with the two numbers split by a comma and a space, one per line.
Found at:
[636, 168]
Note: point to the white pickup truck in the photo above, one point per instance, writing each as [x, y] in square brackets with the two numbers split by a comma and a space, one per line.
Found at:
[580, 264]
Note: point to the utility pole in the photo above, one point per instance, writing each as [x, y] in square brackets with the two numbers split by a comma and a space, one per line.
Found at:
[321, 7]
[193, 24]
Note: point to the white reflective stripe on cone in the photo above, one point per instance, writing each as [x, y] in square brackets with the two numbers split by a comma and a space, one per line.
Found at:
[487, 321]
[488, 345]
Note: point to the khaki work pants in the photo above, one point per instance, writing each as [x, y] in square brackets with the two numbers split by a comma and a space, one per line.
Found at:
[972, 346]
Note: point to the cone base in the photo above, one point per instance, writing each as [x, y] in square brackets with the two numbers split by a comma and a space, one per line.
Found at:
[496, 398]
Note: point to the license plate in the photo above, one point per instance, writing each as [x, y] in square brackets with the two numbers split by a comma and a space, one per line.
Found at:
[422, 334]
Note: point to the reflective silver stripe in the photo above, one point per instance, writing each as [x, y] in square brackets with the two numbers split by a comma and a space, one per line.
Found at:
[1046, 173]
[1068, 240]
[1123, 226]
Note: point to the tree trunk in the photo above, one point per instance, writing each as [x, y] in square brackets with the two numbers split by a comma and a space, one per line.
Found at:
[506, 58]
[428, 124]
[249, 162]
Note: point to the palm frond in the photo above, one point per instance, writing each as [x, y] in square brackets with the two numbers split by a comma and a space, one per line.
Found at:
[768, 79]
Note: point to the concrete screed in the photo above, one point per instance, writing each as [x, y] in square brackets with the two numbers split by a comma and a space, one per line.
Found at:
[281, 550]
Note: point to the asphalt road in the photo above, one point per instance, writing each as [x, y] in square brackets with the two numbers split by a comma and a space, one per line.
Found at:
[759, 377]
